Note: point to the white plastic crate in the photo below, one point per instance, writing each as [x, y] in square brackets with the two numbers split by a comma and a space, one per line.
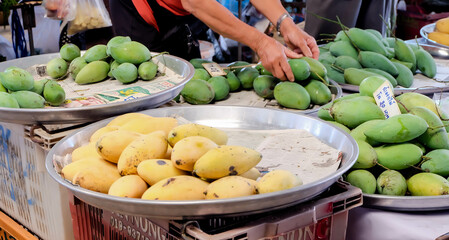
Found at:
[29, 194]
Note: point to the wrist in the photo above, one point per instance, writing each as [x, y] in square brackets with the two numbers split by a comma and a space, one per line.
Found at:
[281, 22]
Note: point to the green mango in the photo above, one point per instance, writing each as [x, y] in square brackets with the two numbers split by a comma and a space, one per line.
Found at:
[366, 41]
[391, 182]
[425, 63]
[300, 68]
[346, 97]
[398, 156]
[406, 64]
[198, 62]
[343, 62]
[247, 76]
[69, 51]
[444, 119]
[358, 133]
[198, 91]
[76, 65]
[398, 129]
[323, 49]
[28, 99]
[319, 93]
[93, 72]
[409, 100]
[362, 179]
[95, 53]
[39, 86]
[390, 53]
[237, 66]
[326, 57]
[53, 93]
[264, 86]
[130, 52]
[353, 112]
[220, 86]
[427, 184]
[292, 95]
[355, 76]
[233, 80]
[201, 73]
[2, 89]
[117, 40]
[384, 74]
[114, 64]
[324, 112]
[7, 100]
[391, 41]
[16, 79]
[125, 73]
[147, 70]
[375, 60]
[367, 156]
[343, 48]
[437, 162]
[333, 73]
[262, 70]
[435, 137]
[57, 67]
[317, 69]
[376, 33]
[405, 76]
[339, 125]
[403, 52]
[370, 84]
[341, 36]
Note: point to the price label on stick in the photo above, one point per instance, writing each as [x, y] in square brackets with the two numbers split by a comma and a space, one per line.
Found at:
[214, 69]
[385, 100]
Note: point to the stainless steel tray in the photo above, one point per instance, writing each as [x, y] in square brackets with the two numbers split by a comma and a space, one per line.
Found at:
[401, 90]
[406, 203]
[97, 112]
[231, 117]
[424, 31]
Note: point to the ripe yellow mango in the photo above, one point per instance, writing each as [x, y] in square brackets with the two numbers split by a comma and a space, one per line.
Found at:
[148, 125]
[231, 187]
[277, 180]
[88, 150]
[111, 144]
[97, 177]
[100, 132]
[442, 25]
[192, 129]
[253, 174]
[130, 186]
[154, 170]
[188, 150]
[71, 169]
[124, 118]
[439, 37]
[177, 188]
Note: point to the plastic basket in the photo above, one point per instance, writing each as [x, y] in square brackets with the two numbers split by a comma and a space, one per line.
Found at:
[10, 229]
[29, 194]
[325, 217]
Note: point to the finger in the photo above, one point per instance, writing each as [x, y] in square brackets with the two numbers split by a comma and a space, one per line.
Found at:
[278, 72]
[314, 47]
[292, 54]
[305, 48]
[287, 70]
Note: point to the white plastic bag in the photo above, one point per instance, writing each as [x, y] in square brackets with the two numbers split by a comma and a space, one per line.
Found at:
[90, 14]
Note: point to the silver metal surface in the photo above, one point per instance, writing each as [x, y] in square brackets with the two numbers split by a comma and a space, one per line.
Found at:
[97, 112]
[424, 31]
[400, 90]
[231, 117]
[406, 203]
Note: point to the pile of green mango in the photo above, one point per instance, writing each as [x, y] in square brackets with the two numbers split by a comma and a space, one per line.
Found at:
[405, 154]
[311, 85]
[18, 89]
[121, 59]
[355, 54]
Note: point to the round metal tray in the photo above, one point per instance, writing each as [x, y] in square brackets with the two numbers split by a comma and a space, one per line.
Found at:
[400, 90]
[424, 31]
[406, 203]
[96, 112]
[231, 117]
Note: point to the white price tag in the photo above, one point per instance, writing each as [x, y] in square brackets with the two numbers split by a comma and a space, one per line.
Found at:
[385, 100]
[214, 69]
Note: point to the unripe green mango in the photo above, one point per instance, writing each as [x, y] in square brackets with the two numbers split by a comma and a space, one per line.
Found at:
[339, 125]
[390, 53]
[427, 184]
[300, 68]
[388, 76]
[220, 86]
[198, 62]
[117, 40]
[247, 76]
[125, 73]
[323, 49]
[7, 100]
[131, 52]
[346, 97]
[362, 179]
[69, 51]
[95, 53]
[414, 99]
[201, 73]
[435, 137]
[341, 36]
[333, 73]
[57, 67]
[375, 60]
[324, 112]
[391, 41]
[353, 112]
[403, 52]
[28, 99]
[343, 62]
[2, 89]
[437, 162]
[397, 129]
[370, 84]
[114, 64]
[376, 33]
[262, 70]
[292, 95]
[264, 86]
[367, 156]
[237, 66]
[406, 64]
[319, 93]
[233, 80]
[425, 63]
[147, 70]
[391, 182]
[317, 70]
[358, 133]
[16, 79]
[39, 86]
[366, 41]
[343, 48]
[93, 72]
[398, 156]
[76, 65]
[326, 57]
[53, 93]
[198, 91]
[405, 75]
[355, 76]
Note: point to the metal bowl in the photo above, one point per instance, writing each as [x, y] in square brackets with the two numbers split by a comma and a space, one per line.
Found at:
[97, 112]
[230, 117]
[424, 31]
[406, 203]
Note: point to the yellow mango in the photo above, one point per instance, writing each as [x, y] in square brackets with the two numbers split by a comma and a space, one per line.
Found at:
[231, 187]
[124, 118]
[71, 169]
[149, 146]
[188, 150]
[168, 153]
[192, 129]
[277, 180]
[88, 150]
[97, 177]
[100, 132]
[253, 174]
[148, 125]
[439, 37]
[442, 25]
[130, 186]
[154, 170]
[111, 144]
[177, 188]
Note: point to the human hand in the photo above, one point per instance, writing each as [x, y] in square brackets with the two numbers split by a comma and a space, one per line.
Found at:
[298, 40]
[56, 9]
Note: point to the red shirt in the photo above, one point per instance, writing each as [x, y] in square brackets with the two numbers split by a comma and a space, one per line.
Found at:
[145, 11]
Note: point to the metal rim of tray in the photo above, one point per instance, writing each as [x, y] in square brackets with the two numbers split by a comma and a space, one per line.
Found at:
[270, 118]
[96, 112]
[398, 91]
[406, 203]
[425, 30]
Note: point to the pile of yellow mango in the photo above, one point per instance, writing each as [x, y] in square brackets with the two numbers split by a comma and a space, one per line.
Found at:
[441, 32]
